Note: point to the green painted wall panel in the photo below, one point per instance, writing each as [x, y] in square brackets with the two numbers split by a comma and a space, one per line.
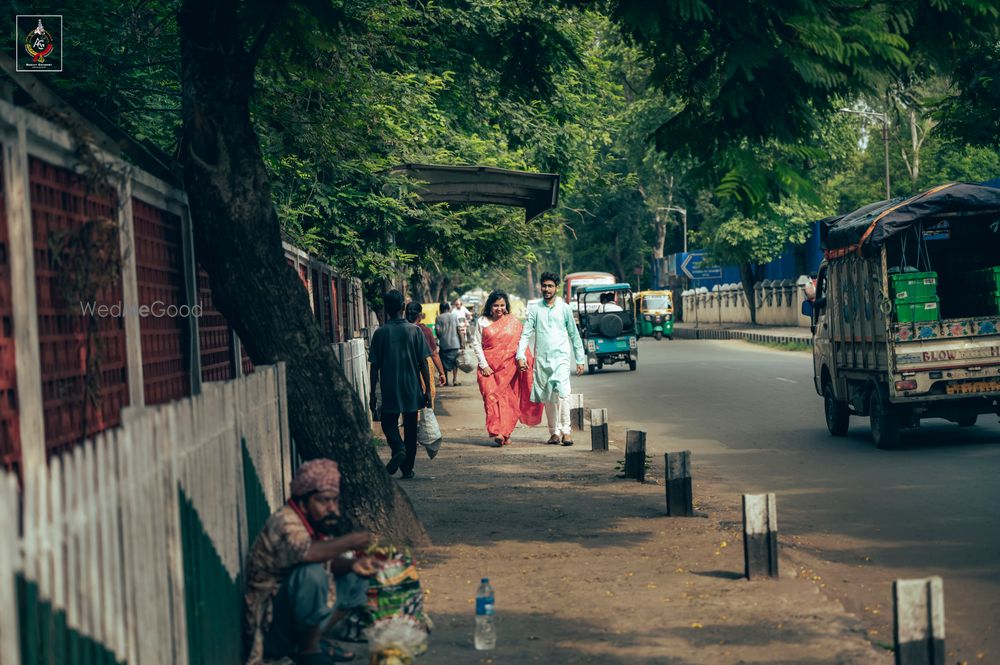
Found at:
[213, 600]
[45, 637]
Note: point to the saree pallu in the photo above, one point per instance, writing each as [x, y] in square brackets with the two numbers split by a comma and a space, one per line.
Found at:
[507, 391]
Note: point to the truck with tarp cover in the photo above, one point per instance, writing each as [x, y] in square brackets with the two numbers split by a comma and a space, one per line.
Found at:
[905, 320]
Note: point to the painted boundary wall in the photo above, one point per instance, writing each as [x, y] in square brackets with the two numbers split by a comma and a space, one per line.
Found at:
[353, 357]
[779, 303]
[66, 375]
[131, 546]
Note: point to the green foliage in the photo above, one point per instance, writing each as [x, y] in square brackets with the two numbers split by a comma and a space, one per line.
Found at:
[727, 109]
[123, 62]
[972, 115]
[752, 74]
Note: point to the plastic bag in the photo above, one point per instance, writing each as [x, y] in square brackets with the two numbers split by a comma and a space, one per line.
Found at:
[429, 432]
[466, 360]
[395, 589]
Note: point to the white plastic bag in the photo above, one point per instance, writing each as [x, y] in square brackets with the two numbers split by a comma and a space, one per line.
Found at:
[466, 360]
[429, 432]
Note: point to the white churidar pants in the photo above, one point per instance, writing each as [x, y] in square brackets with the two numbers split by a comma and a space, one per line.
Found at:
[557, 412]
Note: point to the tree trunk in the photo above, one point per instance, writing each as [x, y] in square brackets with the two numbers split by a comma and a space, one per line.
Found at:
[237, 238]
[749, 277]
[444, 286]
[531, 282]
[661, 224]
[419, 289]
[615, 254]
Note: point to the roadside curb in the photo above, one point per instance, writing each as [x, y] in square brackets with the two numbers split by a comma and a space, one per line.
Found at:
[748, 335]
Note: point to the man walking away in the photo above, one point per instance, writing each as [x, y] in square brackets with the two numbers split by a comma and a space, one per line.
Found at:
[557, 344]
[446, 329]
[398, 356]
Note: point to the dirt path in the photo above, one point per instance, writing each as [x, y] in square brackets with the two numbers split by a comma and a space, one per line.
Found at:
[588, 569]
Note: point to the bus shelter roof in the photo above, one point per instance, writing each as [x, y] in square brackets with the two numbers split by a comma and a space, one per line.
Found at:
[485, 185]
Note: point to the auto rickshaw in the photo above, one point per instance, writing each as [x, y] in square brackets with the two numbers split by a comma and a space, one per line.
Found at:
[607, 325]
[655, 315]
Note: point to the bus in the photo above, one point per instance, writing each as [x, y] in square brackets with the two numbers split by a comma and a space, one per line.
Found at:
[574, 281]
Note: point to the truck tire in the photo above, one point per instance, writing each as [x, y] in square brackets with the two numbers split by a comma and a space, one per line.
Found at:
[885, 422]
[968, 421]
[837, 416]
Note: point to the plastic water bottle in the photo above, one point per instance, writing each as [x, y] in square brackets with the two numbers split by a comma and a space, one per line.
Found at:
[486, 628]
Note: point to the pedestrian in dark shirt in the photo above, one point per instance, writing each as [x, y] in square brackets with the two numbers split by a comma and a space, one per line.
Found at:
[398, 356]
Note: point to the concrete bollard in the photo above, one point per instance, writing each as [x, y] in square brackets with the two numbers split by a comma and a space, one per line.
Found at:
[678, 481]
[635, 455]
[760, 536]
[576, 412]
[918, 621]
[599, 429]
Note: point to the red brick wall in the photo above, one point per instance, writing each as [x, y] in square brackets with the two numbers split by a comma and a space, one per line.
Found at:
[60, 204]
[214, 336]
[159, 258]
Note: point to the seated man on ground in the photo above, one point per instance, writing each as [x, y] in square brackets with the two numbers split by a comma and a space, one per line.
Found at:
[290, 570]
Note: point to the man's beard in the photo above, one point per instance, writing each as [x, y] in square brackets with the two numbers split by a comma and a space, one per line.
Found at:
[327, 526]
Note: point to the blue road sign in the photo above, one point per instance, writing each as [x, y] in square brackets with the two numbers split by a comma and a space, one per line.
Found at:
[692, 265]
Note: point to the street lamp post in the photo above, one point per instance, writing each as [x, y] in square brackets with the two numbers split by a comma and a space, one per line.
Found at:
[884, 119]
[684, 219]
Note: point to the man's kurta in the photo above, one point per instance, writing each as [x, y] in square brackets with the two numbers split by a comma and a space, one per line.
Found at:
[557, 345]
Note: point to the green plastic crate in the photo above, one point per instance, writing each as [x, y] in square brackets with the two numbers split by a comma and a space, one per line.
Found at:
[992, 300]
[988, 279]
[918, 310]
[913, 286]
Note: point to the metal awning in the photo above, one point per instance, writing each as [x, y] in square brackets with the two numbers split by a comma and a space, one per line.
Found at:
[535, 192]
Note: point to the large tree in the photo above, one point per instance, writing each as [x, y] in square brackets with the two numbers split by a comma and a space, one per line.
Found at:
[238, 239]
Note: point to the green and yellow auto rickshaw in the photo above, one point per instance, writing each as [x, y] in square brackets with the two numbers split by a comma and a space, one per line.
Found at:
[655, 314]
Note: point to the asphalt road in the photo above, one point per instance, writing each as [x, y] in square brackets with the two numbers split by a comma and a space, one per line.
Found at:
[750, 415]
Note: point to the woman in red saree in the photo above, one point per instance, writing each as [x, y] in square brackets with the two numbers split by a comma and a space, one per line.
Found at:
[506, 390]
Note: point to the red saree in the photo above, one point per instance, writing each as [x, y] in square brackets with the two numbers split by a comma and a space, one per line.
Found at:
[507, 391]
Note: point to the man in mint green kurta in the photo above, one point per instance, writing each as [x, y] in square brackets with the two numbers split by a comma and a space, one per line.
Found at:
[557, 345]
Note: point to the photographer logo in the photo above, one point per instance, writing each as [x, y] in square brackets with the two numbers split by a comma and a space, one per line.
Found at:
[40, 43]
